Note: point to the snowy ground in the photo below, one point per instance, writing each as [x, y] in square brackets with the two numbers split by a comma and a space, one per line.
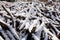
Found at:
[29, 21]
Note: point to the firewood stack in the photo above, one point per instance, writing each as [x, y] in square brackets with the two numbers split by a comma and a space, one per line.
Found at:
[29, 21]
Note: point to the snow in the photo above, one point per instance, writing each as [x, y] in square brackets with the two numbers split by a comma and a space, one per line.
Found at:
[19, 22]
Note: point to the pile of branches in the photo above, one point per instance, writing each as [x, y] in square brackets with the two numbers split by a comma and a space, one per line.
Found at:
[29, 21]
